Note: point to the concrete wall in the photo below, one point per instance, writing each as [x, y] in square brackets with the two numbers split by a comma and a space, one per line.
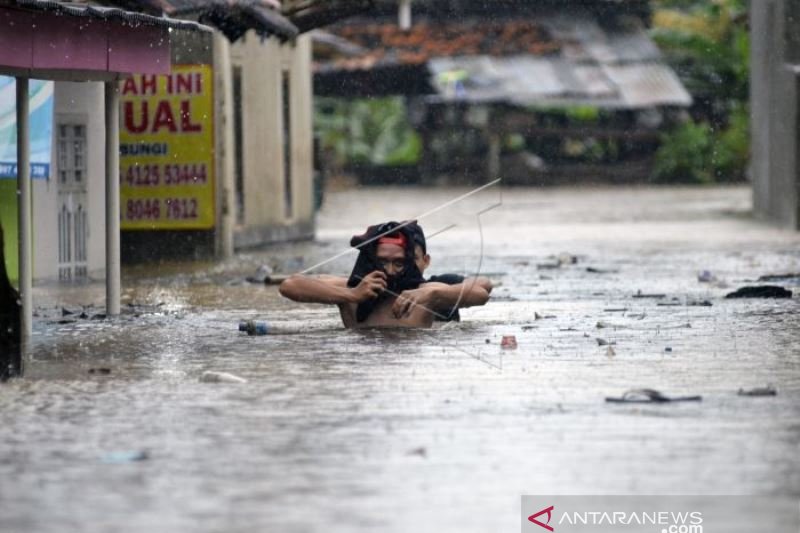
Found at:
[74, 103]
[266, 216]
[774, 83]
[223, 124]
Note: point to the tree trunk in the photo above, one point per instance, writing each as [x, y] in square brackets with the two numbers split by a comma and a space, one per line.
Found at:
[10, 356]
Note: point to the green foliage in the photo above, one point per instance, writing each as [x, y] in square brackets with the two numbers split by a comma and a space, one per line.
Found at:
[583, 113]
[694, 152]
[684, 155]
[731, 149]
[708, 44]
[367, 131]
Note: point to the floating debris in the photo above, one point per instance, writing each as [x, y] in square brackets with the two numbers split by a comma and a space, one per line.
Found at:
[254, 327]
[537, 316]
[668, 349]
[762, 291]
[421, 451]
[651, 396]
[101, 370]
[780, 277]
[567, 259]
[706, 277]
[769, 390]
[610, 352]
[509, 342]
[220, 377]
[126, 457]
[595, 270]
[640, 294]
[601, 325]
[603, 342]
[261, 276]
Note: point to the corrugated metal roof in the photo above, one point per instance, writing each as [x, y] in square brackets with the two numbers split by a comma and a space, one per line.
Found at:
[107, 13]
[647, 85]
[613, 68]
[553, 58]
[531, 81]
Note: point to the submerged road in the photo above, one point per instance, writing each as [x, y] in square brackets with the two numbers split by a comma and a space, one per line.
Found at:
[416, 431]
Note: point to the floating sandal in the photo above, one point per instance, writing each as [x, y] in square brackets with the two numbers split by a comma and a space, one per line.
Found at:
[651, 396]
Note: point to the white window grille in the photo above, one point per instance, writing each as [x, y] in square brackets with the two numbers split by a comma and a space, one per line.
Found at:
[73, 229]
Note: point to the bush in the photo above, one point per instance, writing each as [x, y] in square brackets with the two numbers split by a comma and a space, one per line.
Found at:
[371, 131]
[708, 44]
[685, 155]
[731, 151]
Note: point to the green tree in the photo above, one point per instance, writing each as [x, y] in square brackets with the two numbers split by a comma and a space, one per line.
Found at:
[367, 131]
[708, 44]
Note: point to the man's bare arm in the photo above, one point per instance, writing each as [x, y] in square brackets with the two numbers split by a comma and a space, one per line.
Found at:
[331, 289]
[317, 289]
[436, 296]
[486, 283]
[469, 293]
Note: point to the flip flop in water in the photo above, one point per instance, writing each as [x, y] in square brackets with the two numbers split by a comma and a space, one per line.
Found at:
[651, 396]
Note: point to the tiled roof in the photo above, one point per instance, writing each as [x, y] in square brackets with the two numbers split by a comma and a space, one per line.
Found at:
[386, 43]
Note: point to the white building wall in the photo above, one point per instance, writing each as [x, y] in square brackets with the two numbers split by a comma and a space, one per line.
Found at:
[73, 103]
[302, 112]
[263, 63]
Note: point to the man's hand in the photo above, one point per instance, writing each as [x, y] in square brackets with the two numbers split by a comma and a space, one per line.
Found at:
[370, 286]
[404, 304]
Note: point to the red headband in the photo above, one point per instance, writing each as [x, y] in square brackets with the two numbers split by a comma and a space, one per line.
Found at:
[398, 240]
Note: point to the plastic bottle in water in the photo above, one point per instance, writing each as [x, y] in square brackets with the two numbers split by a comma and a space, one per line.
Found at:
[254, 327]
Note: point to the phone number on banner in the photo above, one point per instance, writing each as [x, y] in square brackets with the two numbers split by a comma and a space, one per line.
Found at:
[153, 209]
[167, 174]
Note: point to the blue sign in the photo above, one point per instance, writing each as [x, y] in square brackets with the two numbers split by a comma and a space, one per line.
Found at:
[41, 127]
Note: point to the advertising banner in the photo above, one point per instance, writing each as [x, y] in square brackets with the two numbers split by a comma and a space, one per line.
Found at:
[41, 127]
[167, 150]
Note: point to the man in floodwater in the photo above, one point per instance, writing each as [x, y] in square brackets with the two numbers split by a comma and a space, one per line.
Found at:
[387, 287]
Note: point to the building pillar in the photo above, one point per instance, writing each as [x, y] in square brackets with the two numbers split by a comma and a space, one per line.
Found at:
[112, 200]
[24, 203]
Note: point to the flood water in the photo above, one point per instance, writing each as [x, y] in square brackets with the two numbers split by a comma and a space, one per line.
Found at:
[430, 430]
